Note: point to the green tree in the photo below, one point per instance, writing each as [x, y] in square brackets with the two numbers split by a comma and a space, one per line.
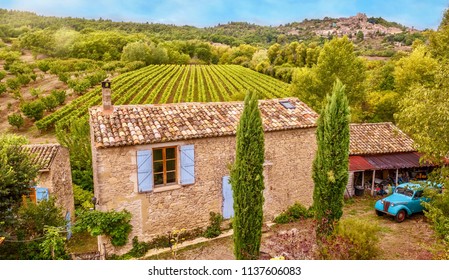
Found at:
[247, 181]
[337, 60]
[33, 110]
[76, 137]
[50, 102]
[136, 51]
[330, 167]
[16, 120]
[53, 247]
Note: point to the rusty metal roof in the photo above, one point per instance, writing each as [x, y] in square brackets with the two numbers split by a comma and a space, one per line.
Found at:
[386, 161]
[156, 123]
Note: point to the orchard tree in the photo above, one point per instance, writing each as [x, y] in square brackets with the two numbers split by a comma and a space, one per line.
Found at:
[247, 181]
[330, 166]
[16, 120]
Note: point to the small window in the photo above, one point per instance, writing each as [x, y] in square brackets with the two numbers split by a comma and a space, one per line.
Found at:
[164, 166]
[287, 104]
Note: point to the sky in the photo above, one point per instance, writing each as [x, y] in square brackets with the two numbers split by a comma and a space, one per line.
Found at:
[420, 14]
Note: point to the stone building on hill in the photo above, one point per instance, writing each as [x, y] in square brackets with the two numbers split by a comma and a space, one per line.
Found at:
[168, 164]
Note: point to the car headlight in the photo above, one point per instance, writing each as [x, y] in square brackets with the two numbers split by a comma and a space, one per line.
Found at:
[382, 201]
[392, 204]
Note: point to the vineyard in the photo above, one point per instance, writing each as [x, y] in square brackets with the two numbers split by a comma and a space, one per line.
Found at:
[171, 84]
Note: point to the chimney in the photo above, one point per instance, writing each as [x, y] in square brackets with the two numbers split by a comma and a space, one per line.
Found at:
[106, 92]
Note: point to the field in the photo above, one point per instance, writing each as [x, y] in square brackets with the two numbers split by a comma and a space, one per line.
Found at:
[171, 84]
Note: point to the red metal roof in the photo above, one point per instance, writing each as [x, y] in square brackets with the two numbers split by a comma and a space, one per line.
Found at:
[359, 163]
[385, 161]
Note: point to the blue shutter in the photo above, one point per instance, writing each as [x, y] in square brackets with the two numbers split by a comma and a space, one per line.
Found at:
[69, 225]
[41, 194]
[145, 170]
[187, 165]
[228, 200]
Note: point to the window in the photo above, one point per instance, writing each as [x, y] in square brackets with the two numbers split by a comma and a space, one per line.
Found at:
[164, 166]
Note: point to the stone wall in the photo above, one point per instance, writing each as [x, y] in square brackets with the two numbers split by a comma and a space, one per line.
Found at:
[58, 180]
[288, 168]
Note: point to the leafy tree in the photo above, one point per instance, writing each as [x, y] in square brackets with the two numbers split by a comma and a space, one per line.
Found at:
[330, 167]
[136, 51]
[76, 137]
[247, 181]
[337, 60]
[381, 106]
[16, 120]
[53, 247]
[34, 109]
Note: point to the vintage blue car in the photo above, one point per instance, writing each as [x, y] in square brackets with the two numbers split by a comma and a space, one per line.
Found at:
[404, 201]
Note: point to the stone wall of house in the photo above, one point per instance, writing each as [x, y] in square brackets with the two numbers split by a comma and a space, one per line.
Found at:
[288, 168]
[58, 180]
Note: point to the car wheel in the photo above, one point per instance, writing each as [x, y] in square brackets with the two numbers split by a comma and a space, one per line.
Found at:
[379, 213]
[400, 216]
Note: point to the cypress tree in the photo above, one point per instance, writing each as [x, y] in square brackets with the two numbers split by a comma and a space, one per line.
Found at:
[247, 181]
[330, 167]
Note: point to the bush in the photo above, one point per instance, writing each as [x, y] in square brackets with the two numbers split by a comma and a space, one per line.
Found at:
[83, 198]
[16, 120]
[50, 102]
[60, 96]
[437, 211]
[34, 110]
[353, 239]
[13, 83]
[2, 74]
[2, 88]
[213, 230]
[293, 213]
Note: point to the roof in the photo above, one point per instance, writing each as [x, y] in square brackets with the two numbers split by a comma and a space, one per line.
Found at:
[378, 138]
[386, 161]
[43, 154]
[156, 123]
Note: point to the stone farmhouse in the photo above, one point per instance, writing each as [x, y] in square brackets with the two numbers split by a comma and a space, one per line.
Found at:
[54, 178]
[168, 164]
[380, 155]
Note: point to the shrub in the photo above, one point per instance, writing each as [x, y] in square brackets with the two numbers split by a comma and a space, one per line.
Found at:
[50, 102]
[23, 79]
[2, 88]
[34, 110]
[293, 213]
[13, 83]
[60, 96]
[83, 198]
[213, 230]
[2, 74]
[437, 211]
[115, 225]
[16, 120]
[353, 239]
[36, 92]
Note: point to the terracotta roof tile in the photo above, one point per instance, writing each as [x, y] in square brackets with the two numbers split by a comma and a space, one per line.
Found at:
[42, 154]
[378, 138]
[145, 124]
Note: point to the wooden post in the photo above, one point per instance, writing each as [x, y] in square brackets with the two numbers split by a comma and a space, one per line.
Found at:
[372, 184]
[397, 176]
[363, 179]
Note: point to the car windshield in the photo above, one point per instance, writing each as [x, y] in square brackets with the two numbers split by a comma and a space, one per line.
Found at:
[404, 191]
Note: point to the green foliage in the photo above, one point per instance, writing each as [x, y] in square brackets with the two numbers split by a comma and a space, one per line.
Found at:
[83, 198]
[381, 106]
[213, 230]
[3, 88]
[17, 173]
[330, 166]
[50, 102]
[76, 137]
[337, 60]
[136, 51]
[16, 120]
[293, 213]
[53, 247]
[2, 74]
[36, 92]
[354, 239]
[13, 83]
[60, 96]
[247, 181]
[115, 225]
[34, 109]
[437, 211]
[29, 226]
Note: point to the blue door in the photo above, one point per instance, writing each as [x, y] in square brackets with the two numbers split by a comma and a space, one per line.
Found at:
[228, 201]
[69, 225]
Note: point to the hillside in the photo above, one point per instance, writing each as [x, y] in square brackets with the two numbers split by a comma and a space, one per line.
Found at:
[172, 84]
[14, 23]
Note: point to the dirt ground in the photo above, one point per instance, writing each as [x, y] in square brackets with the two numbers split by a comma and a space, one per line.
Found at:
[412, 239]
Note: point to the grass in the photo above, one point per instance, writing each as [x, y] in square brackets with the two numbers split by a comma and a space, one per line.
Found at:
[82, 242]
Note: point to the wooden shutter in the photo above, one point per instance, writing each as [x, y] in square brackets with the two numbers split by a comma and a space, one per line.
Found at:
[68, 225]
[187, 164]
[41, 194]
[145, 170]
